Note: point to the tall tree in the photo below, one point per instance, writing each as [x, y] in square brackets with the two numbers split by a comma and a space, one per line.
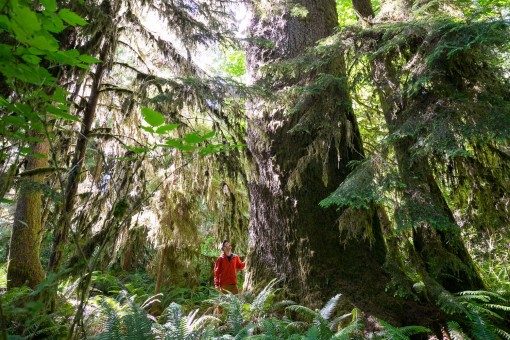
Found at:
[300, 147]
[436, 235]
[24, 266]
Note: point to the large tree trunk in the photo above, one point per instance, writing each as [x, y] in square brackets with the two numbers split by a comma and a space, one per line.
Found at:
[436, 235]
[298, 158]
[24, 263]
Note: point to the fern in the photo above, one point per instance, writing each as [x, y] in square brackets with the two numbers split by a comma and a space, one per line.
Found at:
[329, 307]
[125, 321]
[400, 333]
[262, 301]
[347, 332]
[481, 310]
[182, 327]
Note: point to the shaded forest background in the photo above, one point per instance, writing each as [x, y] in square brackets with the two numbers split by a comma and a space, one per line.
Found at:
[356, 153]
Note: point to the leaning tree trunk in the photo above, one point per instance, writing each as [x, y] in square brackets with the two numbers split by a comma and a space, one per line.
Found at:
[24, 262]
[300, 149]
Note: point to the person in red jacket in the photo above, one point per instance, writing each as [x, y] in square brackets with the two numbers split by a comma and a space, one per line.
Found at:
[225, 270]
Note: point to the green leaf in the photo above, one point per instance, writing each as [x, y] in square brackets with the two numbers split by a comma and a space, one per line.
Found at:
[36, 51]
[52, 23]
[166, 128]
[31, 59]
[59, 95]
[178, 145]
[60, 113]
[26, 19]
[5, 23]
[195, 137]
[71, 18]
[43, 41]
[152, 117]
[147, 128]
[49, 5]
[89, 59]
[13, 120]
[5, 200]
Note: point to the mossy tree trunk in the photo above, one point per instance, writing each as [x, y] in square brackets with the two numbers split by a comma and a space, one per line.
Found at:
[436, 235]
[299, 154]
[24, 266]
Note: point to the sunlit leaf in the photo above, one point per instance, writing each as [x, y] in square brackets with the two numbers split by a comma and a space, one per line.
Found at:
[166, 128]
[152, 117]
[71, 18]
[89, 59]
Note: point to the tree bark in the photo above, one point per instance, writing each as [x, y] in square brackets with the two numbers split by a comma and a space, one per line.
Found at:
[161, 268]
[24, 262]
[299, 155]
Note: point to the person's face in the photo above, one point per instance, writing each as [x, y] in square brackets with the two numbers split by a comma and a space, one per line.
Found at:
[227, 247]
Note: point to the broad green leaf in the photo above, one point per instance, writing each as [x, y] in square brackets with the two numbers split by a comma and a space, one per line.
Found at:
[166, 128]
[71, 18]
[179, 145]
[59, 95]
[35, 51]
[195, 137]
[26, 19]
[49, 5]
[64, 57]
[51, 22]
[152, 117]
[74, 53]
[5, 200]
[60, 113]
[5, 23]
[89, 59]
[147, 128]
[6, 55]
[43, 41]
[31, 59]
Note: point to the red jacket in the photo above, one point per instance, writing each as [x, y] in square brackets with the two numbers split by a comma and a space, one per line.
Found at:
[225, 270]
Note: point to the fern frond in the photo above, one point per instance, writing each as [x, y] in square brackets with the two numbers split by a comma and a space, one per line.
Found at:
[482, 292]
[481, 298]
[497, 307]
[391, 332]
[262, 300]
[502, 333]
[481, 328]
[334, 323]
[329, 307]
[455, 331]
[303, 311]
[412, 330]
[281, 304]
[347, 332]
[147, 303]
